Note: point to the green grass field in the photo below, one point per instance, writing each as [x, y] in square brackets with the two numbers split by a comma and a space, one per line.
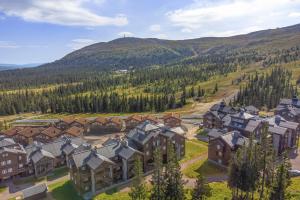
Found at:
[203, 167]
[63, 190]
[193, 149]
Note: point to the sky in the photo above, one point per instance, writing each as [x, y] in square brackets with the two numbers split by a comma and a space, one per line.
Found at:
[40, 31]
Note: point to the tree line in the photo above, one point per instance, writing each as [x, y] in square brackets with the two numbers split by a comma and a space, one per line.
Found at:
[266, 90]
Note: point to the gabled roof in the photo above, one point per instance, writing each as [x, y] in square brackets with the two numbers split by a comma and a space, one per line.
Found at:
[4, 141]
[34, 190]
[67, 120]
[116, 120]
[251, 108]
[31, 131]
[280, 121]
[215, 133]
[39, 154]
[147, 126]
[252, 125]
[74, 131]
[13, 150]
[223, 108]
[52, 131]
[13, 131]
[234, 139]
[95, 160]
[101, 120]
[138, 118]
[243, 115]
[151, 118]
[277, 130]
[171, 115]
[82, 121]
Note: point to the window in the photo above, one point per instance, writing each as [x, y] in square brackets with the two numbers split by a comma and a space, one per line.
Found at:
[164, 147]
[4, 171]
[20, 157]
[86, 188]
[3, 163]
[220, 161]
[9, 162]
[20, 165]
[147, 153]
[218, 147]
[220, 153]
[9, 170]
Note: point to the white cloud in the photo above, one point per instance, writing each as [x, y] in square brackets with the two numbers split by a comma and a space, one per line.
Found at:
[155, 28]
[126, 34]
[233, 16]
[80, 43]
[186, 30]
[61, 12]
[8, 45]
[294, 14]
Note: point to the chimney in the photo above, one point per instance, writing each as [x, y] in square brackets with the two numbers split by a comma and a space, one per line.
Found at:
[222, 104]
[295, 100]
[277, 119]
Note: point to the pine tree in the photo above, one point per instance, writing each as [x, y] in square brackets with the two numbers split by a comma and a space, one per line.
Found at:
[201, 190]
[158, 182]
[266, 161]
[173, 176]
[138, 189]
[282, 181]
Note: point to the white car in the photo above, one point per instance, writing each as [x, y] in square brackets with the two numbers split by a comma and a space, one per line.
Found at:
[294, 172]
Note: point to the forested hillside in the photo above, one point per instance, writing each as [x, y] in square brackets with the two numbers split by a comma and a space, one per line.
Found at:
[266, 90]
[161, 74]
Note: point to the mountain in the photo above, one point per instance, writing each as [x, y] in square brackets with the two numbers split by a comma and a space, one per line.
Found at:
[17, 66]
[262, 48]
[136, 52]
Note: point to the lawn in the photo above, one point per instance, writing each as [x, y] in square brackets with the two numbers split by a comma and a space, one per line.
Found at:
[113, 195]
[57, 173]
[2, 188]
[63, 190]
[193, 149]
[203, 167]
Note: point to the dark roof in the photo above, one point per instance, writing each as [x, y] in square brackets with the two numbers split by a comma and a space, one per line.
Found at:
[234, 139]
[223, 108]
[34, 190]
[252, 125]
[277, 130]
[39, 154]
[215, 133]
[243, 115]
[4, 141]
[251, 108]
[280, 121]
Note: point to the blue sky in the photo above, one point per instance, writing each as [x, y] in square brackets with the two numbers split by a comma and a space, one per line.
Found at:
[38, 31]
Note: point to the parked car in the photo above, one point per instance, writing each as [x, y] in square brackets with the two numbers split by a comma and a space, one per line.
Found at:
[294, 172]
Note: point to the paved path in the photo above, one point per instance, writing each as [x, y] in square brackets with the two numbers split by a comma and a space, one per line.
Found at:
[295, 160]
